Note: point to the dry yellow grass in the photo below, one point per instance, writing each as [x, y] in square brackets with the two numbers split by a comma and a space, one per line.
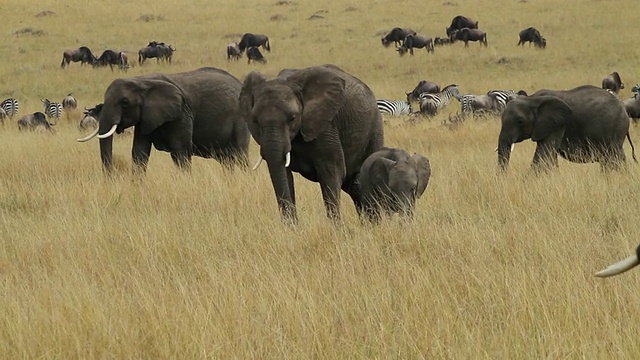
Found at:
[176, 266]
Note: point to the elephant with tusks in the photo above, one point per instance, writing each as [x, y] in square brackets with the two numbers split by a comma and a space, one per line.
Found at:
[319, 122]
[185, 114]
[584, 124]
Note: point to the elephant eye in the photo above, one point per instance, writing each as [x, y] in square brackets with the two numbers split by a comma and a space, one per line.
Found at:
[292, 117]
[124, 101]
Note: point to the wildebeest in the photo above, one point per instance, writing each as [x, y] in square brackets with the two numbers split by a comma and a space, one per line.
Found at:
[69, 103]
[438, 41]
[158, 50]
[415, 41]
[36, 122]
[632, 105]
[460, 22]
[233, 51]
[532, 35]
[254, 40]
[253, 53]
[90, 119]
[110, 58]
[613, 82]
[82, 54]
[397, 36]
[423, 86]
[467, 35]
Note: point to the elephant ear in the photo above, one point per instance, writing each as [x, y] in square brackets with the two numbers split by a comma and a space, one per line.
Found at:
[246, 102]
[551, 115]
[323, 95]
[163, 102]
[423, 169]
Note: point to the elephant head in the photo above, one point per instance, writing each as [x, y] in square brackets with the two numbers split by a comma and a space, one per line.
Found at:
[543, 119]
[391, 180]
[301, 106]
[146, 103]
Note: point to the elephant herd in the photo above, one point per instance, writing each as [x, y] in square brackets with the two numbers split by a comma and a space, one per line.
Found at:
[324, 124]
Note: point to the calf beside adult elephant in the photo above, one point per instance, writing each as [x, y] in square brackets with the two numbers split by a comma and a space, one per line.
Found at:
[391, 181]
[185, 114]
[584, 124]
[319, 122]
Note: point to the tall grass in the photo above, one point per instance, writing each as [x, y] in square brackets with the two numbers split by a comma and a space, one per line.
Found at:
[200, 266]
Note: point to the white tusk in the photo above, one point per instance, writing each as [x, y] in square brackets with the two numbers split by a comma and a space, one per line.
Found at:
[257, 163]
[109, 133]
[619, 267]
[90, 136]
[512, 146]
[287, 159]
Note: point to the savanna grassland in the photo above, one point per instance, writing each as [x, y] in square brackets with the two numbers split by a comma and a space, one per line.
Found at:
[496, 266]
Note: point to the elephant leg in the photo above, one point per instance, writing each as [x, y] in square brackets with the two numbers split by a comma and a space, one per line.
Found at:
[546, 155]
[140, 151]
[182, 159]
[350, 187]
[330, 180]
[612, 158]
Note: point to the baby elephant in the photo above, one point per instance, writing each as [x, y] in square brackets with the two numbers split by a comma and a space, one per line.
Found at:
[391, 180]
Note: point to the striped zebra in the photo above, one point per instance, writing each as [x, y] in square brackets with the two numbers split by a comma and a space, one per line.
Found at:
[502, 97]
[394, 107]
[10, 107]
[431, 103]
[636, 91]
[466, 103]
[52, 109]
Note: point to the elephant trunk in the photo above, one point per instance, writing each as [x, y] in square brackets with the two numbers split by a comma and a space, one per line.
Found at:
[504, 152]
[276, 159]
[105, 153]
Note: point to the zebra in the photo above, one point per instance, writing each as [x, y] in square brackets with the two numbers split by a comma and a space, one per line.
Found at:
[10, 107]
[394, 107]
[636, 91]
[52, 109]
[466, 103]
[502, 97]
[431, 103]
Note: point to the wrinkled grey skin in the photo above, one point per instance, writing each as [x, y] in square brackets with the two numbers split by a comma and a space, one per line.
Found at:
[329, 122]
[35, 122]
[632, 106]
[613, 82]
[391, 181]
[185, 114]
[584, 124]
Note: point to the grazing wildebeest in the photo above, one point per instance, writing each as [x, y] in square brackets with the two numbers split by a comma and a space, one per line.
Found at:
[415, 41]
[253, 53]
[632, 105]
[90, 119]
[110, 58]
[467, 35]
[82, 54]
[233, 51]
[613, 82]
[423, 86]
[69, 103]
[36, 121]
[397, 36]
[254, 40]
[532, 35]
[460, 22]
[157, 50]
[438, 41]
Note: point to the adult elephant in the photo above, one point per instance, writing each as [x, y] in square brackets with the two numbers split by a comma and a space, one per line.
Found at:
[584, 124]
[391, 181]
[621, 266]
[320, 122]
[189, 113]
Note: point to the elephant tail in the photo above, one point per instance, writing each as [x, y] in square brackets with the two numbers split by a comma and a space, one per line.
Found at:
[633, 150]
